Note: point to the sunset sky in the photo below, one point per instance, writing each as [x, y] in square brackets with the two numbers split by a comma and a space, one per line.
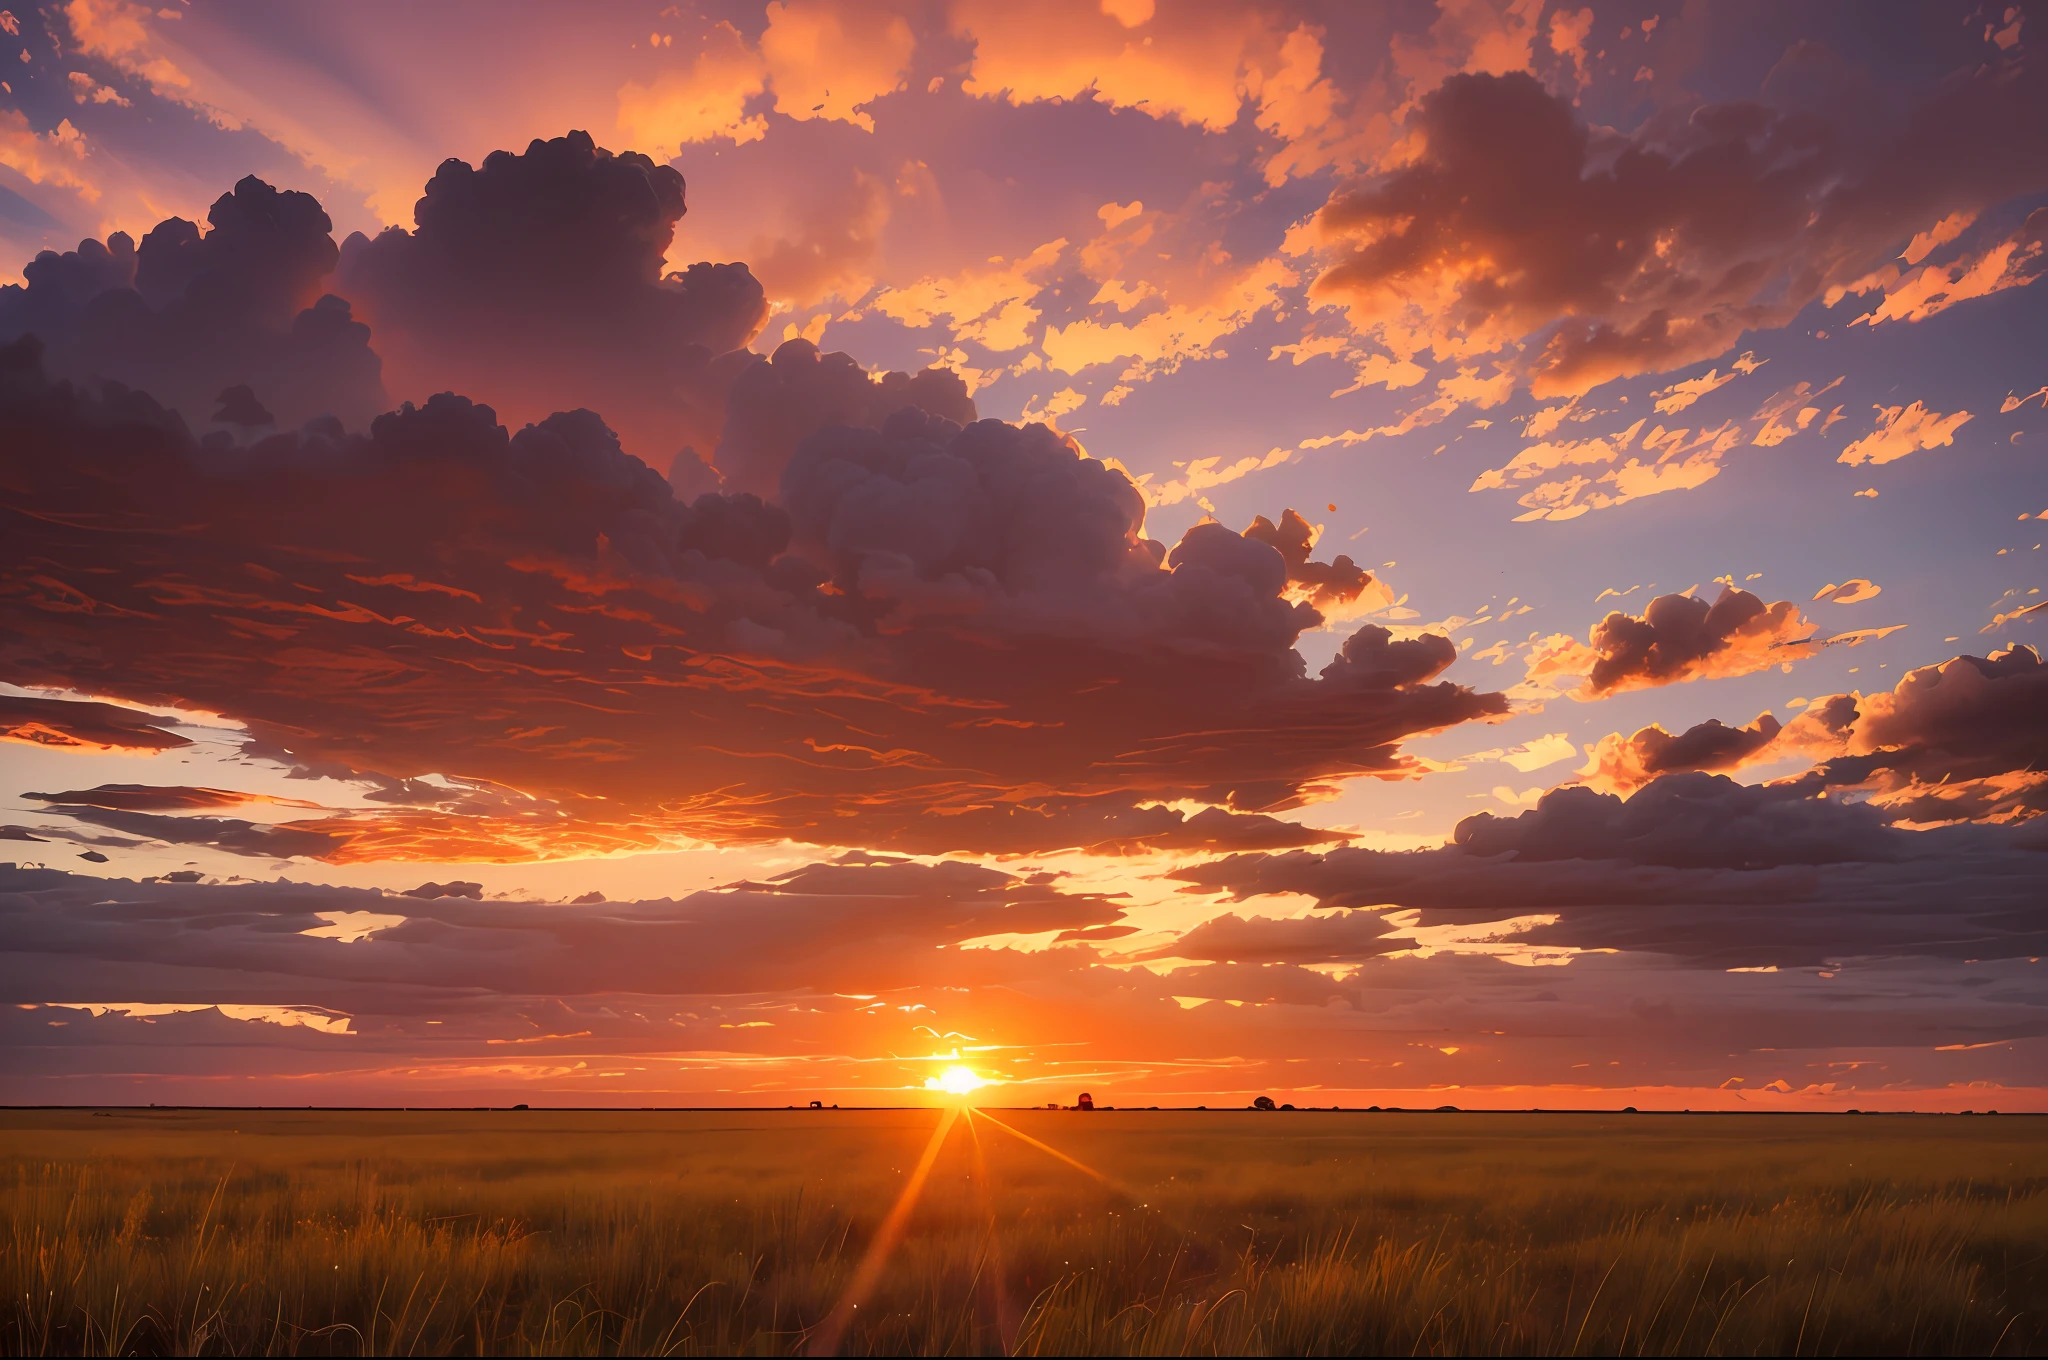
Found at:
[1429, 553]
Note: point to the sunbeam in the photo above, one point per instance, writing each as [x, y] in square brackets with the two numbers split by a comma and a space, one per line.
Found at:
[1049, 1149]
[1006, 1322]
[826, 1341]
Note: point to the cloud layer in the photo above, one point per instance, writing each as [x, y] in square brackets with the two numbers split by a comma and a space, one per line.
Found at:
[940, 637]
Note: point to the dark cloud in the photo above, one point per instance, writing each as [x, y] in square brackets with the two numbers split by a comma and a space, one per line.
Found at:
[941, 638]
[1964, 740]
[71, 722]
[1679, 638]
[1621, 764]
[1694, 866]
[147, 797]
[189, 314]
[535, 281]
[1326, 584]
[1644, 252]
[314, 840]
[1689, 821]
[1336, 937]
[776, 403]
[238, 406]
[855, 926]
[428, 891]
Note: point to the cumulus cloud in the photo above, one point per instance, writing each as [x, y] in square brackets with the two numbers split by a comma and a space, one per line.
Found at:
[1960, 741]
[1676, 639]
[188, 314]
[1621, 764]
[1963, 740]
[1697, 867]
[775, 403]
[953, 637]
[1619, 254]
[1326, 585]
[536, 281]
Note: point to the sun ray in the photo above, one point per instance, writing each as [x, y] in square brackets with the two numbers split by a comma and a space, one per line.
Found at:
[833, 1329]
[1118, 1186]
[1006, 1321]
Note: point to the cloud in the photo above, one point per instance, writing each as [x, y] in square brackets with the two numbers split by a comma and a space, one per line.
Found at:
[1679, 396]
[159, 798]
[186, 315]
[955, 635]
[1340, 937]
[831, 246]
[45, 157]
[1711, 873]
[84, 726]
[1618, 254]
[1675, 639]
[1960, 741]
[1964, 740]
[535, 281]
[1619, 764]
[1671, 458]
[988, 304]
[1788, 412]
[857, 925]
[704, 100]
[1932, 289]
[1329, 586]
[1902, 430]
[1855, 590]
[1162, 340]
[776, 403]
[118, 32]
[827, 59]
[1194, 64]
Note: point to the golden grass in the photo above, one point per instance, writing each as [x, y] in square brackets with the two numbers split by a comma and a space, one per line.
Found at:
[302, 1232]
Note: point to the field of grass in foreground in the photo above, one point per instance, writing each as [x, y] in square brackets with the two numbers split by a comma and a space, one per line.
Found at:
[306, 1232]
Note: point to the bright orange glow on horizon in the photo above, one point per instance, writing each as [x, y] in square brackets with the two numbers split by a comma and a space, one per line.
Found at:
[957, 1081]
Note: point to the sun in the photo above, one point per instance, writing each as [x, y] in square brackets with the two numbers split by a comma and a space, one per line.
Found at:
[956, 1081]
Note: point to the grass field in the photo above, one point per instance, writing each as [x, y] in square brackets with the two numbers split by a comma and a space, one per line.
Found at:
[303, 1232]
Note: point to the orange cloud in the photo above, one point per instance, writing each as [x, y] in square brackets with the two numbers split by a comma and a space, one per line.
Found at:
[1902, 430]
[84, 725]
[703, 100]
[940, 637]
[1196, 64]
[51, 157]
[1676, 639]
[1618, 764]
[826, 59]
[1508, 225]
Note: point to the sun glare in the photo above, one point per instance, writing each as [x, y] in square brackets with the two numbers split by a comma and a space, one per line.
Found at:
[955, 1081]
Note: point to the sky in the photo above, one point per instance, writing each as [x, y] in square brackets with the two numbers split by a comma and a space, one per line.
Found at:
[1458, 553]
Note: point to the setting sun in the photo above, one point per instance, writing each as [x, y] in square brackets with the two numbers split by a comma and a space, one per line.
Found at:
[956, 1081]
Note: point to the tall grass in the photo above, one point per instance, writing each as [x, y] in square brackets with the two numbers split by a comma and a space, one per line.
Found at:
[683, 1234]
